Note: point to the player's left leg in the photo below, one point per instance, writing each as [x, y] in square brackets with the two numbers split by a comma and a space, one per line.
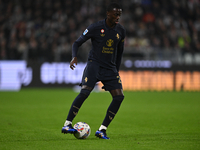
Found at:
[111, 112]
[112, 83]
[113, 108]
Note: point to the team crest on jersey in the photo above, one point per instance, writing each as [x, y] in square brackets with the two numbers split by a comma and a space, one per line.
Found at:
[109, 42]
[117, 35]
[85, 32]
[102, 33]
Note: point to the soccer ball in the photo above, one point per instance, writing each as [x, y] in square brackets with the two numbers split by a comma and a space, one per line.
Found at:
[83, 130]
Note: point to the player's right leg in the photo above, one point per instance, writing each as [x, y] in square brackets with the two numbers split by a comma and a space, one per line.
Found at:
[88, 82]
[84, 93]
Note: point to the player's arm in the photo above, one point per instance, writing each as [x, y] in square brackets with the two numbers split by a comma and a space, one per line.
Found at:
[84, 37]
[119, 55]
[120, 50]
[75, 47]
[73, 61]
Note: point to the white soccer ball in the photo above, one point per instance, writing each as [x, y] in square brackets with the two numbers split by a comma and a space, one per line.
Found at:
[83, 130]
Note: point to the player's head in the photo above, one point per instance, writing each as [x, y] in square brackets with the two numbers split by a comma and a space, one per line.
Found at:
[114, 12]
[113, 5]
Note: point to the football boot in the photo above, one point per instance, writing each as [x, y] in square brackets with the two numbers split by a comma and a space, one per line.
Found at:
[68, 129]
[101, 134]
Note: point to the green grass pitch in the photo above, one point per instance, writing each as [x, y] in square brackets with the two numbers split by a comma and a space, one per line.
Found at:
[32, 120]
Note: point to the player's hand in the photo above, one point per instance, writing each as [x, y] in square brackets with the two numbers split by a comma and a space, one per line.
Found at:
[73, 61]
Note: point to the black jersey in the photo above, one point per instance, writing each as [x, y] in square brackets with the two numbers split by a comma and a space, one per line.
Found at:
[107, 44]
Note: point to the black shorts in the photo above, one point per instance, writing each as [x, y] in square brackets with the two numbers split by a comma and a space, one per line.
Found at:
[93, 73]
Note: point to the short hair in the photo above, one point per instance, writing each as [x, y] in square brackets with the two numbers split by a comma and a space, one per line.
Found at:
[113, 5]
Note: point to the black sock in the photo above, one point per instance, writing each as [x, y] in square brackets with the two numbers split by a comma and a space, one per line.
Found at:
[78, 101]
[113, 109]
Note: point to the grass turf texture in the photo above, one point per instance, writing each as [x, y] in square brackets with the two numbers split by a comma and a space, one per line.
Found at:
[33, 118]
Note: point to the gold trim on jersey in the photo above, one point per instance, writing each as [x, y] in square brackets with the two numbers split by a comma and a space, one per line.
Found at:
[86, 79]
[102, 35]
[117, 35]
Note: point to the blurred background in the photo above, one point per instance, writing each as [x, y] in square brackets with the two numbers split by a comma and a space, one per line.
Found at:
[161, 36]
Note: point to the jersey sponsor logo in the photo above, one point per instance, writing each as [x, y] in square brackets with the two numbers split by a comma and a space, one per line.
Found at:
[108, 50]
[109, 42]
[85, 32]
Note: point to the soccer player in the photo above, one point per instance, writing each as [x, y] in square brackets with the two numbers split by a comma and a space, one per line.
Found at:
[107, 37]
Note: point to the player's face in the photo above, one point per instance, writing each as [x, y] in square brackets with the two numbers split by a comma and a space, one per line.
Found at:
[114, 16]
